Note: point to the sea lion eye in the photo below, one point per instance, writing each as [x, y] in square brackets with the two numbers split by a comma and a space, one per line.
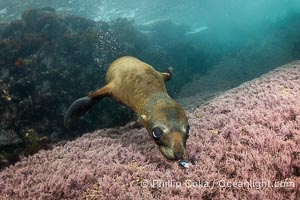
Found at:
[157, 133]
[187, 131]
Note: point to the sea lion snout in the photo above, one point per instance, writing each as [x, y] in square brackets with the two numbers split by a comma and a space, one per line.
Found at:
[178, 144]
[173, 145]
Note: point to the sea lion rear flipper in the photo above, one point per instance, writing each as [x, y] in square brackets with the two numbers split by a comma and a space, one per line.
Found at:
[167, 75]
[77, 109]
[82, 105]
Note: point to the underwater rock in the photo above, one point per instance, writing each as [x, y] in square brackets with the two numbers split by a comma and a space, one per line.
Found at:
[45, 56]
[9, 138]
[247, 141]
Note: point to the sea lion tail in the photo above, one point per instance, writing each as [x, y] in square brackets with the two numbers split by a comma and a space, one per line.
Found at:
[82, 105]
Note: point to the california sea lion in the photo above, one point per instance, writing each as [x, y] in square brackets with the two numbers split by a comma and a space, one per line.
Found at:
[142, 88]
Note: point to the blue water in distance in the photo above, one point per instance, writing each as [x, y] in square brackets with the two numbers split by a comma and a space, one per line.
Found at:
[263, 31]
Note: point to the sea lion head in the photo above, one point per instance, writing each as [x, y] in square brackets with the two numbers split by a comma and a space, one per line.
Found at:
[168, 126]
[171, 141]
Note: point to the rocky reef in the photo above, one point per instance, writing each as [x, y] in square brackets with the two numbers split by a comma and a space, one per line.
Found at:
[243, 145]
[48, 60]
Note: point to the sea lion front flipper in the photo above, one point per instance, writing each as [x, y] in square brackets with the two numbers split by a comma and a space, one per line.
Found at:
[167, 75]
[82, 105]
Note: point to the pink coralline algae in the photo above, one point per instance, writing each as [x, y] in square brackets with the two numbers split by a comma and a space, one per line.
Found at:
[244, 144]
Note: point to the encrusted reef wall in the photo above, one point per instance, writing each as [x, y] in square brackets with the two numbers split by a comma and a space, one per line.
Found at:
[244, 145]
[49, 60]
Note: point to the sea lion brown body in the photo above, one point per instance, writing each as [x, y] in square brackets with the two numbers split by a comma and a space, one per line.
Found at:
[140, 87]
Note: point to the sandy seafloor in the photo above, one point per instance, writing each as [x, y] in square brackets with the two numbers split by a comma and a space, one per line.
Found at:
[244, 143]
